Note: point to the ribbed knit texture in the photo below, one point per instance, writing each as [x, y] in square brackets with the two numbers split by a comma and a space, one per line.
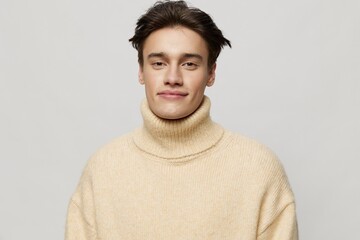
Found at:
[177, 139]
[186, 179]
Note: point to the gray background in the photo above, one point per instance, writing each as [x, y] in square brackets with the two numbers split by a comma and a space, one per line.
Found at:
[69, 85]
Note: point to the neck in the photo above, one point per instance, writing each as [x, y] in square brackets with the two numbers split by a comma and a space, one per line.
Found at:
[177, 139]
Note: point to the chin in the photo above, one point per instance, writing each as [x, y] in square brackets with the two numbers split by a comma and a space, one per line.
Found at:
[172, 111]
[171, 115]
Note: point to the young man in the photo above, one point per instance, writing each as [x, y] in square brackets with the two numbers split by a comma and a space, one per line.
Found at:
[181, 176]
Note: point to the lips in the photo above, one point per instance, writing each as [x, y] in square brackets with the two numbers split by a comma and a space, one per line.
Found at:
[172, 93]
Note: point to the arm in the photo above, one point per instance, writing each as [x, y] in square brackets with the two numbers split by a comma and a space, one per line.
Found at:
[77, 228]
[283, 227]
[80, 223]
[277, 215]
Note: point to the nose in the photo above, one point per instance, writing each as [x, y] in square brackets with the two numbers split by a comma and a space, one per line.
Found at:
[173, 76]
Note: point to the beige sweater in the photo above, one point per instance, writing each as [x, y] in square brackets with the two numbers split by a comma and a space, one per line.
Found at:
[185, 179]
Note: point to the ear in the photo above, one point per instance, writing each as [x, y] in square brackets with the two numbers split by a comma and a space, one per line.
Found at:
[141, 75]
[211, 79]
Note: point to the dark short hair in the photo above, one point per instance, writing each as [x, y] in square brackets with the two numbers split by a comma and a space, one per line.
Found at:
[177, 13]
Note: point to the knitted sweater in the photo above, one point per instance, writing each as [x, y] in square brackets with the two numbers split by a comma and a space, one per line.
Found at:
[184, 179]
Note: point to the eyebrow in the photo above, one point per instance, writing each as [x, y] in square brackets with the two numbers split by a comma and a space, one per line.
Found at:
[193, 55]
[156, 54]
[185, 55]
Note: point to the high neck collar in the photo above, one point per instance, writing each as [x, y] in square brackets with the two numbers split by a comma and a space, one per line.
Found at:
[177, 139]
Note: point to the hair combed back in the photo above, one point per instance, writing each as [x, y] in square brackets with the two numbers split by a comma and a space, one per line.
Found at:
[177, 13]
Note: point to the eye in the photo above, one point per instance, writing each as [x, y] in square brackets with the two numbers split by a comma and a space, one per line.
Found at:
[190, 65]
[158, 65]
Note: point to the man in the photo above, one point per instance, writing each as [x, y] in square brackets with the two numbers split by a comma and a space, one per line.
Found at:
[181, 176]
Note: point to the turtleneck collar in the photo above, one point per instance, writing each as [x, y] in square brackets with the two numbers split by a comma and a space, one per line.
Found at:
[177, 139]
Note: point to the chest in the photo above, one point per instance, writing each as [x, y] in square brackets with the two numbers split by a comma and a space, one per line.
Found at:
[175, 205]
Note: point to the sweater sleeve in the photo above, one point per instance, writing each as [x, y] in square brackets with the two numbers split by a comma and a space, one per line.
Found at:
[77, 228]
[283, 227]
[80, 223]
[277, 219]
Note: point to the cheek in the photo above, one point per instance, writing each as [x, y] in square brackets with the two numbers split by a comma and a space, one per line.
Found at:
[153, 83]
[153, 75]
[198, 81]
[150, 78]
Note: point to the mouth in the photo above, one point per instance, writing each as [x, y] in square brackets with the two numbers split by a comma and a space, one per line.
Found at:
[172, 94]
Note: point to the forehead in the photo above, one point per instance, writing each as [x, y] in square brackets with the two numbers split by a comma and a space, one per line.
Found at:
[175, 41]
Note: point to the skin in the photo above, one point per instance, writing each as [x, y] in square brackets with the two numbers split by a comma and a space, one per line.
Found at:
[175, 71]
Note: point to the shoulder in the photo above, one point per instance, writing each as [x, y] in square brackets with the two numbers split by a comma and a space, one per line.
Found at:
[260, 170]
[251, 149]
[115, 145]
[111, 154]
[255, 159]
[104, 162]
